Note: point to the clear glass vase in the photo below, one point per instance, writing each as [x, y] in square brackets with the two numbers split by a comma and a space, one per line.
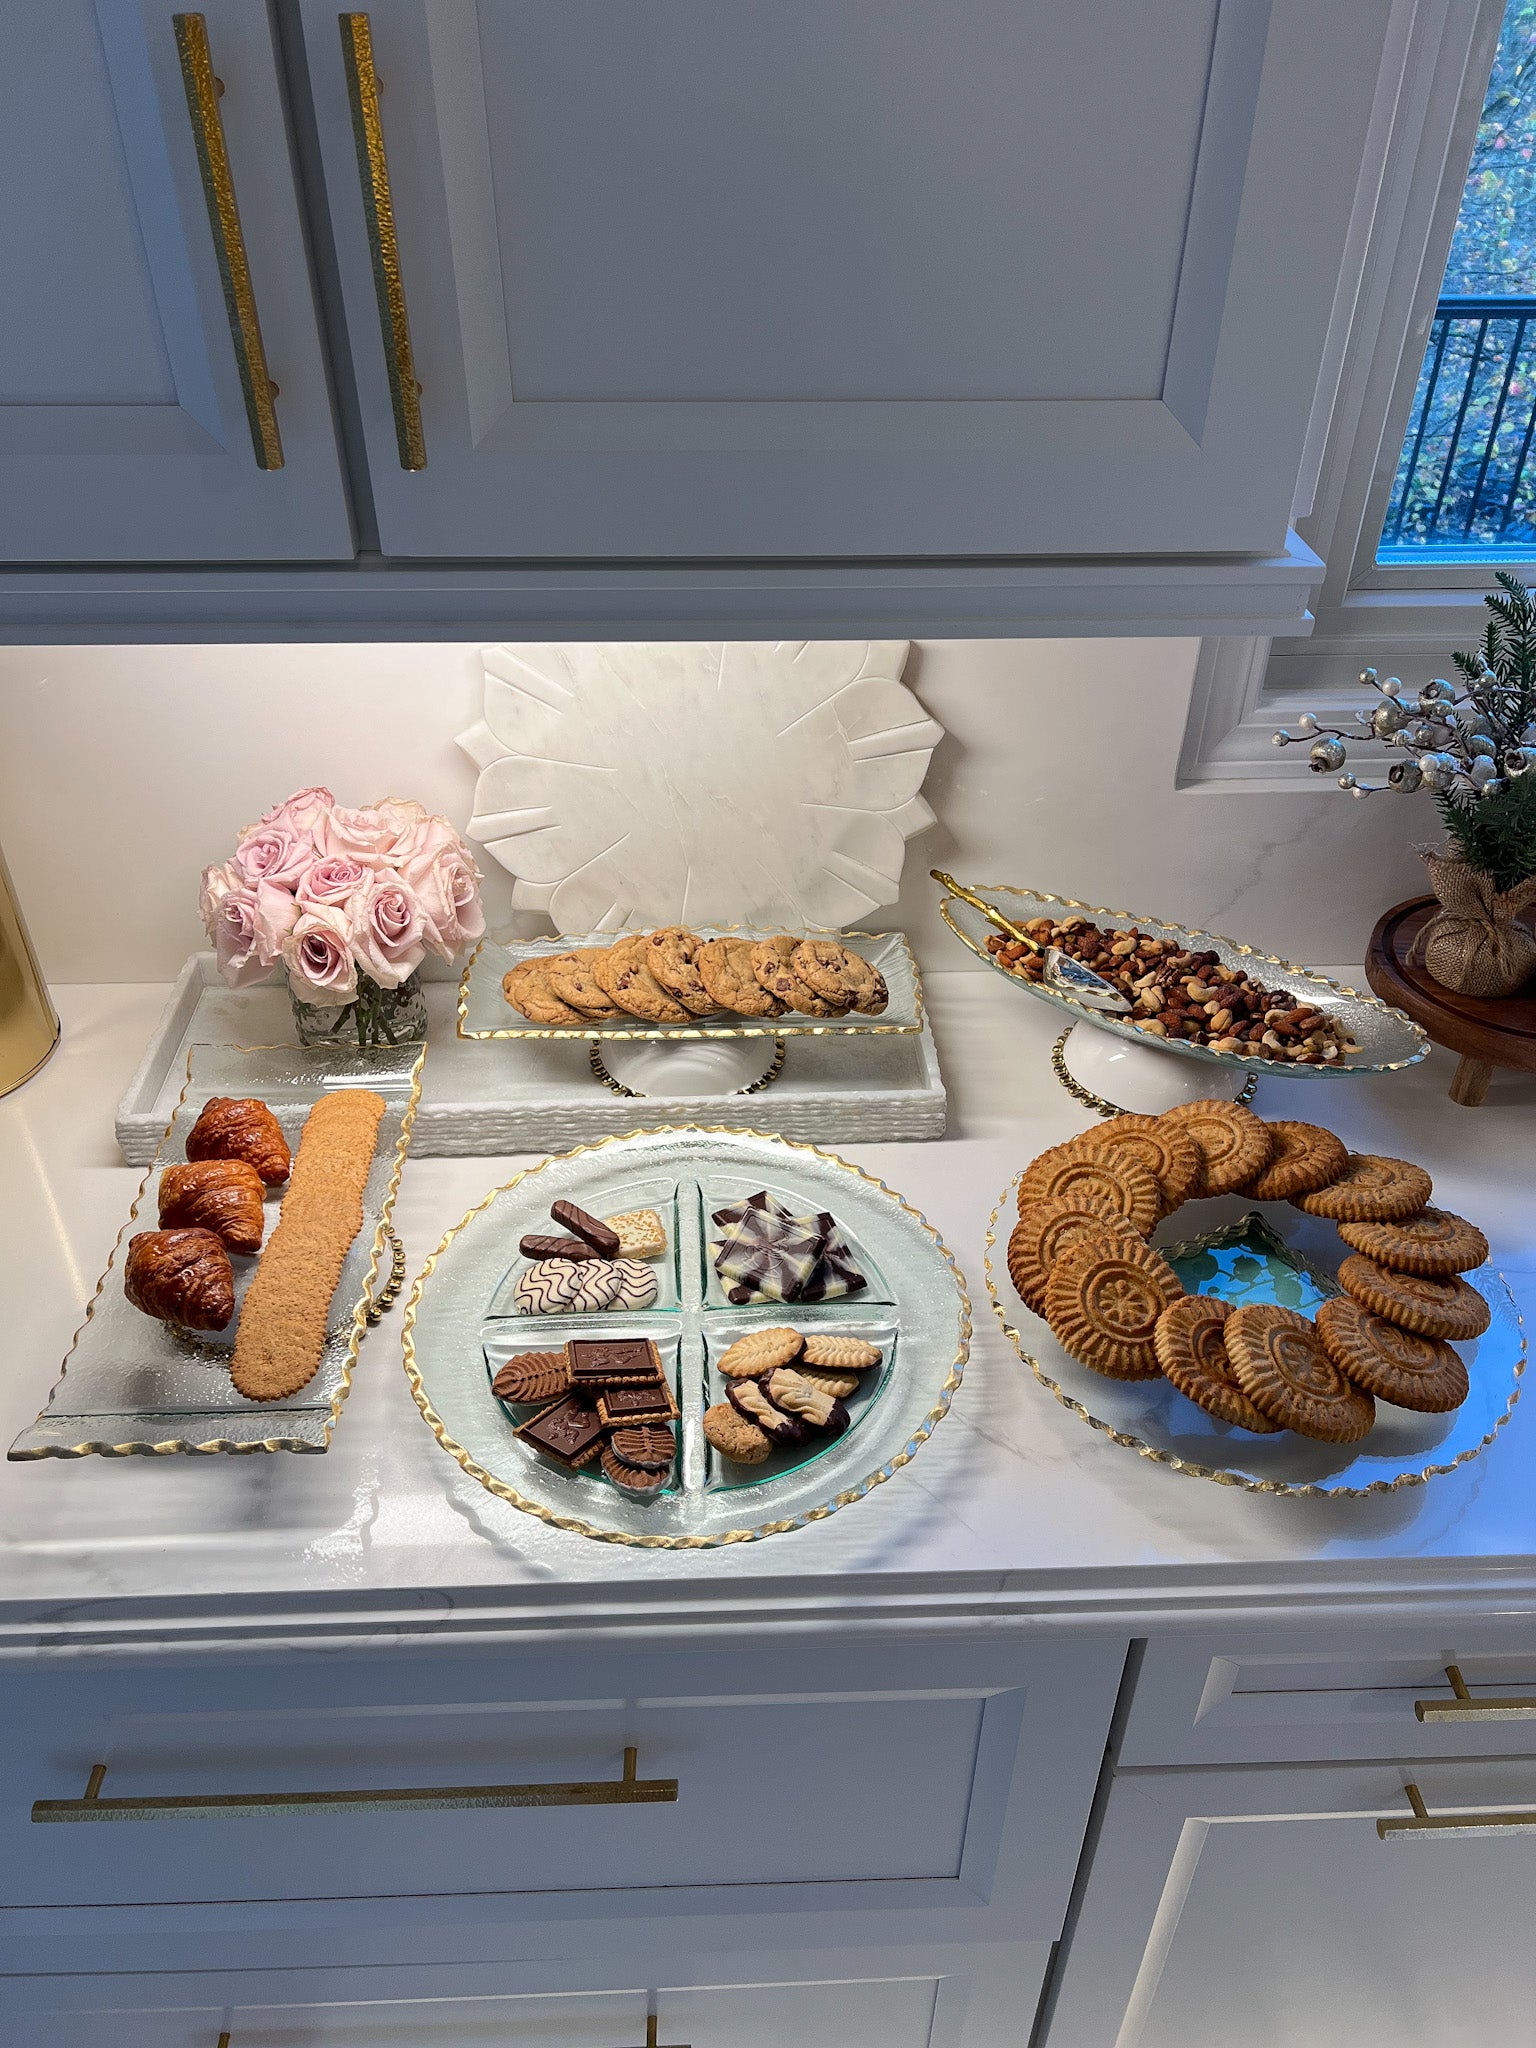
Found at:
[375, 1015]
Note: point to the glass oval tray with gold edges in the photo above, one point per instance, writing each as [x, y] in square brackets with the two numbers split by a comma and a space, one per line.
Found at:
[915, 1309]
[1244, 1251]
[484, 1011]
[1388, 1039]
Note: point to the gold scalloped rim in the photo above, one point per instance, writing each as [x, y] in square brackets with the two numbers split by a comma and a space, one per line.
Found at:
[771, 1029]
[226, 1445]
[1219, 1474]
[571, 1524]
[1246, 1060]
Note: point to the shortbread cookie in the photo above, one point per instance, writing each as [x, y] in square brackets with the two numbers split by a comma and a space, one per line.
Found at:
[1303, 1157]
[725, 968]
[1169, 1154]
[1233, 1143]
[639, 1481]
[548, 1287]
[838, 1384]
[759, 1352]
[771, 960]
[1433, 1305]
[1045, 1230]
[841, 1354]
[1192, 1351]
[837, 973]
[539, 1376]
[748, 1398]
[1370, 1189]
[626, 978]
[640, 1232]
[734, 1436]
[572, 979]
[527, 989]
[1103, 1303]
[1088, 1180]
[1279, 1362]
[1434, 1243]
[635, 1284]
[650, 1445]
[789, 1390]
[1392, 1363]
[672, 954]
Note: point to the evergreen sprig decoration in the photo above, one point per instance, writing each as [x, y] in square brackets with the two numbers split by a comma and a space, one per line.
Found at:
[1473, 747]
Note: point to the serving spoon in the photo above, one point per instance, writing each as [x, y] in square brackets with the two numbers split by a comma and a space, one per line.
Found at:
[1067, 976]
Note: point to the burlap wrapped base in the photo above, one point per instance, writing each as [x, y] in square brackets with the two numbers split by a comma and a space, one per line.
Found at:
[1474, 943]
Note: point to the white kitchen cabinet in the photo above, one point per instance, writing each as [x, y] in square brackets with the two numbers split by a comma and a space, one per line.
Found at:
[125, 433]
[1260, 1906]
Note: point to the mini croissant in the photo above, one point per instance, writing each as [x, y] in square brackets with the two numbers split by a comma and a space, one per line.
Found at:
[180, 1276]
[240, 1127]
[221, 1195]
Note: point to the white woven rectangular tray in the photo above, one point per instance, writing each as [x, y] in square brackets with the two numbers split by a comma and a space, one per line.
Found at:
[537, 1095]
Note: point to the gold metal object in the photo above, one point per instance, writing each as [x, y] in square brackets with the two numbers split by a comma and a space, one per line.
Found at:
[1463, 1707]
[1426, 1823]
[629, 1790]
[650, 2035]
[1007, 1202]
[1097, 1103]
[389, 1294]
[29, 1024]
[202, 90]
[572, 1524]
[223, 2041]
[988, 910]
[764, 1080]
[363, 90]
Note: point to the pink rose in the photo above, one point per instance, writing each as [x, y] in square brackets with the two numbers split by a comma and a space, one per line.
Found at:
[447, 885]
[233, 932]
[217, 883]
[365, 835]
[318, 955]
[335, 879]
[300, 812]
[411, 824]
[276, 915]
[274, 853]
[386, 931]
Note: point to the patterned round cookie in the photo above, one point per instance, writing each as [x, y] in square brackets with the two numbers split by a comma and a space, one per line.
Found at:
[771, 964]
[836, 972]
[1434, 1305]
[1044, 1232]
[1371, 1189]
[527, 989]
[641, 1233]
[841, 1354]
[573, 978]
[1072, 1173]
[635, 1284]
[1392, 1363]
[630, 1479]
[759, 1352]
[733, 1436]
[1103, 1303]
[626, 978]
[1233, 1143]
[839, 1385]
[1192, 1351]
[725, 968]
[649, 1445]
[549, 1287]
[1279, 1362]
[533, 1376]
[1170, 1155]
[1434, 1242]
[601, 1280]
[672, 954]
[1304, 1157]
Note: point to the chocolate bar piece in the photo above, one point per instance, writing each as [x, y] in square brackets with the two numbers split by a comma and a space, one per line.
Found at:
[765, 1252]
[535, 1247]
[591, 1229]
[568, 1430]
[637, 1403]
[613, 1361]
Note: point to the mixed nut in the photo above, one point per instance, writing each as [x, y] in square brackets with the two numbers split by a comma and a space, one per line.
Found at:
[1178, 993]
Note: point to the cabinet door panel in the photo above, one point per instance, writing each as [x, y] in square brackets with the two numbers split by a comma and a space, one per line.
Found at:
[896, 277]
[124, 432]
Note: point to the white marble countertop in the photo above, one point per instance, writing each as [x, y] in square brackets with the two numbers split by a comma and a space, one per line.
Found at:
[1014, 1507]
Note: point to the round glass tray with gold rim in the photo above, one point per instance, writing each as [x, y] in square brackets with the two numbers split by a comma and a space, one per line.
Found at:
[1243, 1251]
[915, 1308]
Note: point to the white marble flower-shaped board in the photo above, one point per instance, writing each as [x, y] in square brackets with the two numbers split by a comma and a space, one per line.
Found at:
[709, 783]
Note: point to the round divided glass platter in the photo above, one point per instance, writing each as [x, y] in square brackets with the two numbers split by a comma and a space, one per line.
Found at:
[1388, 1038]
[1257, 1253]
[914, 1308]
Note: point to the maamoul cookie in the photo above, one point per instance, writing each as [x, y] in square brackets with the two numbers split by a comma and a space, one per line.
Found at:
[672, 956]
[1045, 1230]
[839, 974]
[771, 964]
[1434, 1242]
[759, 1352]
[1279, 1362]
[527, 989]
[734, 1436]
[1371, 1189]
[1192, 1351]
[841, 1354]
[725, 968]
[1432, 1305]
[625, 975]
[1392, 1363]
[533, 1376]
[573, 980]
[1088, 1180]
[1103, 1304]
[1304, 1157]
[1169, 1154]
[1233, 1143]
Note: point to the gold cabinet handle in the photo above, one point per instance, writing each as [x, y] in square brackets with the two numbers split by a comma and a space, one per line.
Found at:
[383, 247]
[1423, 1822]
[1464, 1708]
[650, 2036]
[629, 1790]
[202, 90]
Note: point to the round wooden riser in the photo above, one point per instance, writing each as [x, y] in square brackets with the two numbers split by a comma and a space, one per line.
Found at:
[1487, 1031]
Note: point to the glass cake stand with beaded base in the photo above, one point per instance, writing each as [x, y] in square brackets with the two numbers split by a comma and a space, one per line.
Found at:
[1115, 1066]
